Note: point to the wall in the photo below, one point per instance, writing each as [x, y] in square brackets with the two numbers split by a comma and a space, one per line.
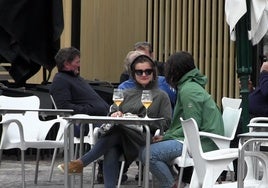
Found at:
[109, 28]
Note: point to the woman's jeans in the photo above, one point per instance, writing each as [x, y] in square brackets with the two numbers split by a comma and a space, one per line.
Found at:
[110, 147]
[161, 155]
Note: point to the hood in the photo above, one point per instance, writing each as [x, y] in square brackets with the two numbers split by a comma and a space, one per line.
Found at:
[193, 76]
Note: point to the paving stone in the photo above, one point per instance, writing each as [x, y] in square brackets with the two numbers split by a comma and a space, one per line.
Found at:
[10, 174]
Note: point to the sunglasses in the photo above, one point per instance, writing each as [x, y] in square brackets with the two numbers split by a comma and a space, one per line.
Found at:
[146, 71]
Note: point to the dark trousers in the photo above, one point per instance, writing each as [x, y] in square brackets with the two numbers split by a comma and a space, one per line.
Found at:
[77, 130]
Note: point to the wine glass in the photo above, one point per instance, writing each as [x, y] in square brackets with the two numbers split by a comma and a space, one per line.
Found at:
[146, 99]
[118, 97]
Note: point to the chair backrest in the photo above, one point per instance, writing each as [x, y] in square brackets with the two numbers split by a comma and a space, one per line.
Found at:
[33, 127]
[259, 124]
[230, 102]
[231, 119]
[190, 131]
[31, 102]
[259, 120]
[91, 140]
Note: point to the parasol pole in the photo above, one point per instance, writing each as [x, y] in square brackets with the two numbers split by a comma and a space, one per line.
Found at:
[244, 65]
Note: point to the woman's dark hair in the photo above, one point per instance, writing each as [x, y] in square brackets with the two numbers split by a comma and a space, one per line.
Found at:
[178, 65]
[66, 55]
[142, 59]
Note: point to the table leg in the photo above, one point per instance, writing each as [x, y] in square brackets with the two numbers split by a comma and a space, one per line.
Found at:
[81, 150]
[240, 167]
[68, 152]
[147, 157]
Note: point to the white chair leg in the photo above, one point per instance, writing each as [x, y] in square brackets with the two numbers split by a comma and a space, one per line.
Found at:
[120, 174]
[52, 164]
[194, 181]
[180, 177]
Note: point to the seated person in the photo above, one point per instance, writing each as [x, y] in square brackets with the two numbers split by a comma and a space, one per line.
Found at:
[193, 101]
[162, 84]
[258, 99]
[147, 49]
[70, 91]
[126, 139]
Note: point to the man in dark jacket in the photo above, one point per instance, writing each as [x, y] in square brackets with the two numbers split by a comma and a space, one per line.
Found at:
[71, 91]
[258, 99]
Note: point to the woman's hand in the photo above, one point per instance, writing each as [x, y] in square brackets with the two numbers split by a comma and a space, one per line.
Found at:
[117, 114]
[157, 138]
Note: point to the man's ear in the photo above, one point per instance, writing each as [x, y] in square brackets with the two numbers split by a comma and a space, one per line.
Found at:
[66, 65]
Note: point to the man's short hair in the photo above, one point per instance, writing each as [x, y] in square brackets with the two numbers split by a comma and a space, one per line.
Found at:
[66, 55]
[143, 45]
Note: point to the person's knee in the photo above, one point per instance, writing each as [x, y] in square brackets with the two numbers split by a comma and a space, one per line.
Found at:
[112, 156]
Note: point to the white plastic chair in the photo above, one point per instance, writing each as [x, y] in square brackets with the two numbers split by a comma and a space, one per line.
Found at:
[230, 120]
[157, 132]
[26, 130]
[183, 161]
[207, 166]
[140, 168]
[122, 159]
[258, 124]
[90, 139]
[231, 102]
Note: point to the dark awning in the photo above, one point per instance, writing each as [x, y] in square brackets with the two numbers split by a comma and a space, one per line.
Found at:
[30, 33]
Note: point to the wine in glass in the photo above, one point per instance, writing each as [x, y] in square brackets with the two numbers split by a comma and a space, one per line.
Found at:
[118, 97]
[146, 99]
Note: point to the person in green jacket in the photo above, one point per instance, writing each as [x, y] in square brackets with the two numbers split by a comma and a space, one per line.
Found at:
[193, 101]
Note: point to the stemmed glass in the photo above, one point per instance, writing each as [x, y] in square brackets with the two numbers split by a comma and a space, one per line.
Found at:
[118, 97]
[146, 99]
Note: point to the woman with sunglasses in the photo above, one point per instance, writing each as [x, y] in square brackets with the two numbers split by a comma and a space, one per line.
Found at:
[127, 139]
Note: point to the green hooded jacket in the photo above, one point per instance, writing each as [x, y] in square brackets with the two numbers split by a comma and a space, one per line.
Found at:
[193, 101]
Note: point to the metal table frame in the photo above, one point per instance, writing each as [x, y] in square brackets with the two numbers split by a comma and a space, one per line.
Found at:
[246, 140]
[69, 137]
[42, 112]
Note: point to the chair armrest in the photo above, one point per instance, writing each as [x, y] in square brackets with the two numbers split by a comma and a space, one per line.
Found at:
[212, 135]
[220, 141]
[6, 123]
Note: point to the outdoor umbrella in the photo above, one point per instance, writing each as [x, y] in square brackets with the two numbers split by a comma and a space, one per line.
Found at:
[30, 33]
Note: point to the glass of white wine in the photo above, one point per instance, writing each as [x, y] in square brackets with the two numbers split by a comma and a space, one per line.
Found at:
[118, 97]
[146, 99]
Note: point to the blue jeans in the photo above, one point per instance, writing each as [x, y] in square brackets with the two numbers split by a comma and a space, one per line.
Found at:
[110, 147]
[161, 155]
